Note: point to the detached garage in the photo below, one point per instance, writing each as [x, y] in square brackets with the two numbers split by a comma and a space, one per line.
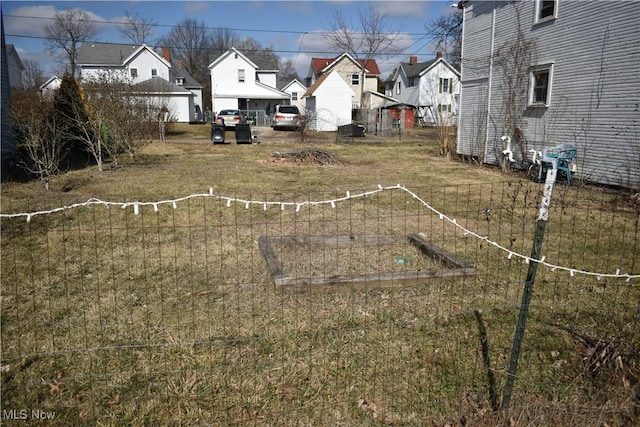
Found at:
[329, 101]
[159, 93]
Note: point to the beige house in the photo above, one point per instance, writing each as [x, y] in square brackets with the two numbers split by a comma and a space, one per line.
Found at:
[351, 72]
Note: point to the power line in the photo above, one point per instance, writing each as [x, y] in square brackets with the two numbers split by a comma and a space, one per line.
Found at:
[316, 52]
[399, 37]
[206, 28]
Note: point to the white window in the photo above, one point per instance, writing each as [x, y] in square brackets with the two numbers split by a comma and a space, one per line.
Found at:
[540, 85]
[180, 81]
[154, 72]
[294, 96]
[134, 73]
[412, 81]
[355, 79]
[446, 86]
[444, 108]
[241, 76]
[398, 88]
[546, 10]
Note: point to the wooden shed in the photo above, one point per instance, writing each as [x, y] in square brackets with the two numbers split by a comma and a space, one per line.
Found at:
[401, 114]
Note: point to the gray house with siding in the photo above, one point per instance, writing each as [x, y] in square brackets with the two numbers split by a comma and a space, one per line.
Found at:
[550, 72]
[8, 150]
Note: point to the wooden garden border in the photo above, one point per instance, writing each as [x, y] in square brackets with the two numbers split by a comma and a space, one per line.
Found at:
[453, 266]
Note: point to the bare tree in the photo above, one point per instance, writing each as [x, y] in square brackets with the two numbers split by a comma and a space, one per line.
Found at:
[364, 43]
[263, 56]
[222, 39]
[446, 31]
[513, 60]
[33, 75]
[138, 29]
[113, 121]
[39, 139]
[286, 72]
[69, 30]
[188, 41]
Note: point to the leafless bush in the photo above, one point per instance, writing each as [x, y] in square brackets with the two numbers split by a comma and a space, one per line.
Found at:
[39, 139]
[446, 134]
[113, 125]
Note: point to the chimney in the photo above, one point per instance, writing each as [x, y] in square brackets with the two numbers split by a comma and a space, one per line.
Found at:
[438, 55]
[166, 53]
[413, 60]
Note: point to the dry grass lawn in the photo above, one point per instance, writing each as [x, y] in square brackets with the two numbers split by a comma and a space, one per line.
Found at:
[170, 317]
[189, 163]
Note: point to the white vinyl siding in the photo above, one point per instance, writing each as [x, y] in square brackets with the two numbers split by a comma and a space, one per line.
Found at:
[592, 90]
[330, 104]
[473, 119]
[227, 92]
[138, 69]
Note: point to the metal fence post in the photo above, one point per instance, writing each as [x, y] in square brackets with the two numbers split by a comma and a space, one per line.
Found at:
[538, 237]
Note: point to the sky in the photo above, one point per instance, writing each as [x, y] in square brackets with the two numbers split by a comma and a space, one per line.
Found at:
[293, 29]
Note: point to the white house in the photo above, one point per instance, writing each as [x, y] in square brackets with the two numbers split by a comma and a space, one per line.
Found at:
[47, 88]
[159, 93]
[135, 62]
[328, 102]
[576, 81]
[295, 89]
[433, 87]
[350, 71]
[142, 66]
[180, 78]
[239, 82]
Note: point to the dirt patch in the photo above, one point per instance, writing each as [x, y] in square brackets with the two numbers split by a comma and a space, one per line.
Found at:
[307, 156]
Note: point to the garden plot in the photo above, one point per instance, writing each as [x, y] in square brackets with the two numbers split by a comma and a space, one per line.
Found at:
[358, 260]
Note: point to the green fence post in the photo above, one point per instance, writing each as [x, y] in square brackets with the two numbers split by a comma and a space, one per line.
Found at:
[538, 237]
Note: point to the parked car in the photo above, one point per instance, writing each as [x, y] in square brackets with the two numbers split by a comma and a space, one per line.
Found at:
[286, 116]
[230, 117]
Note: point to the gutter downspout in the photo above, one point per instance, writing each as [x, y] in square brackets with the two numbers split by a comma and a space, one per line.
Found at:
[459, 136]
[493, 35]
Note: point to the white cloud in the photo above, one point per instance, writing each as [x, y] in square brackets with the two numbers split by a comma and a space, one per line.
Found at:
[196, 7]
[315, 41]
[315, 44]
[402, 8]
[28, 21]
[28, 24]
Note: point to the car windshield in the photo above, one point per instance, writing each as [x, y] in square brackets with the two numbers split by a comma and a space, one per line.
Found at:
[229, 113]
[289, 109]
